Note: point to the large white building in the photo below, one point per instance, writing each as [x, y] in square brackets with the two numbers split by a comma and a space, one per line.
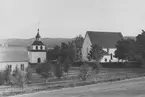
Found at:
[12, 57]
[37, 51]
[107, 40]
[20, 57]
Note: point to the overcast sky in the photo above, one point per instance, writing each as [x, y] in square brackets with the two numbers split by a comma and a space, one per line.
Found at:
[68, 18]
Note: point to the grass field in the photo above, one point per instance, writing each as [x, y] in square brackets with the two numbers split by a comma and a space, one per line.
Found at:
[104, 76]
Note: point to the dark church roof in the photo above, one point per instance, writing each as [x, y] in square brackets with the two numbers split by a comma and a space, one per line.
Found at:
[104, 39]
[37, 43]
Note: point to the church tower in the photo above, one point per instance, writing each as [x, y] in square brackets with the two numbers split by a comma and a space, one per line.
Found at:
[37, 51]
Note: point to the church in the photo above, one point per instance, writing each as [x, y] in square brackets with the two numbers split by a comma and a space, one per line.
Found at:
[37, 51]
[107, 40]
[21, 57]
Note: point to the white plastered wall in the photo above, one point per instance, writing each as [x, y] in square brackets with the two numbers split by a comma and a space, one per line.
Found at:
[86, 48]
[3, 65]
[33, 57]
[108, 57]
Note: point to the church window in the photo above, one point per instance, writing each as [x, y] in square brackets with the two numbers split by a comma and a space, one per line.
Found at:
[36, 47]
[41, 47]
[105, 59]
[22, 67]
[10, 67]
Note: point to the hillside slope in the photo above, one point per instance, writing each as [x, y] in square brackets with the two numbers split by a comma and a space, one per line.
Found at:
[50, 42]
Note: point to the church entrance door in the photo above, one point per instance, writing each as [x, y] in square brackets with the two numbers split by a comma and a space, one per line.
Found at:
[39, 60]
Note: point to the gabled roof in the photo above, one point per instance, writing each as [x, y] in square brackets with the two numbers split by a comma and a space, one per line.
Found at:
[104, 39]
[13, 54]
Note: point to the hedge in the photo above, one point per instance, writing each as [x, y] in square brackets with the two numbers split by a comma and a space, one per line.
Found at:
[121, 65]
[112, 64]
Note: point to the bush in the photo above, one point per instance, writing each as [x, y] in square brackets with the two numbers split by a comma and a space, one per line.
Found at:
[58, 71]
[95, 67]
[44, 69]
[7, 74]
[66, 68]
[19, 78]
[133, 64]
[118, 64]
[84, 72]
[77, 64]
[28, 74]
[2, 78]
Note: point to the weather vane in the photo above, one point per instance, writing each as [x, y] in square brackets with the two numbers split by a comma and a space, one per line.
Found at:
[38, 26]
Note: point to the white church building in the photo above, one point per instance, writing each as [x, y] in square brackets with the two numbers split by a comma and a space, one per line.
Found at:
[12, 57]
[37, 51]
[20, 57]
[107, 40]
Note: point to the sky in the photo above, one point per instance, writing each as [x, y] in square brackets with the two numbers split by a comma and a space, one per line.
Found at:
[69, 18]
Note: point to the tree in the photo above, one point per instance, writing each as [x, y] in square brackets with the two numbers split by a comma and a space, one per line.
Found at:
[131, 49]
[84, 72]
[140, 43]
[58, 70]
[67, 56]
[64, 46]
[7, 74]
[19, 77]
[2, 78]
[130, 52]
[78, 42]
[66, 52]
[67, 63]
[140, 46]
[96, 53]
[29, 74]
[125, 49]
[45, 70]
[53, 54]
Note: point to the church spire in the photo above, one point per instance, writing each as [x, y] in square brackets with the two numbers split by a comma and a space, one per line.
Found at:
[38, 35]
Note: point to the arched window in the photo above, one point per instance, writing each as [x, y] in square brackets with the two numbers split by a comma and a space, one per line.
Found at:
[39, 60]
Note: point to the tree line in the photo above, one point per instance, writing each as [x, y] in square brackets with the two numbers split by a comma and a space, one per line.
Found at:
[131, 49]
[61, 57]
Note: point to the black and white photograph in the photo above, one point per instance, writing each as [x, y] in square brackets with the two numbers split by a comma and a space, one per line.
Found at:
[72, 48]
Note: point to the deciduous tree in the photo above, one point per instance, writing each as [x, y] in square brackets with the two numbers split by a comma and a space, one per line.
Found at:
[78, 42]
[45, 70]
[96, 53]
[140, 46]
[125, 49]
